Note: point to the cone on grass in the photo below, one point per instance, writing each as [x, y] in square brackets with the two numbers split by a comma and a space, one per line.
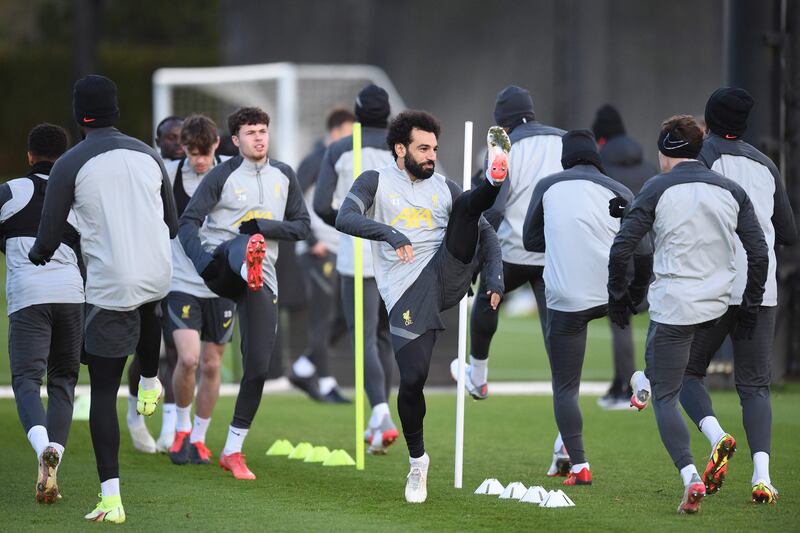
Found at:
[490, 486]
[80, 408]
[535, 495]
[513, 491]
[301, 451]
[339, 458]
[318, 455]
[281, 447]
[557, 498]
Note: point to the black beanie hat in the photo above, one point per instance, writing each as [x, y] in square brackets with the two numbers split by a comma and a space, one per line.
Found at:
[727, 110]
[372, 106]
[513, 104]
[607, 123]
[94, 102]
[579, 147]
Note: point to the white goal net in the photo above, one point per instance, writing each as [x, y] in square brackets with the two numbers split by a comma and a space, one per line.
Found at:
[297, 97]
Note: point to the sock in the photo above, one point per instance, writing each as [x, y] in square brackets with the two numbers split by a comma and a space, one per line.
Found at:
[235, 440]
[761, 467]
[420, 462]
[379, 411]
[303, 367]
[578, 467]
[184, 418]
[134, 419]
[558, 445]
[148, 383]
[479, 373]
[110, 487]
[687, 472]
[38, 438]
[327, 384]
[169, 419]
[199, 429]
[243, 271]
[711, 429]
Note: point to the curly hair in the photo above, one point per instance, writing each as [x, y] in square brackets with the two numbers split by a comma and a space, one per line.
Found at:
[47, 141]
[246, 115]
[199, 133]
[400, 127]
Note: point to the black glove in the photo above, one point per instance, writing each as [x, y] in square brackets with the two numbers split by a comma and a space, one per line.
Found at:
[638, 294]
[38, 258]
[619, 311]
[249, 227]
[744, 323]
[214, 269]
[617, 206]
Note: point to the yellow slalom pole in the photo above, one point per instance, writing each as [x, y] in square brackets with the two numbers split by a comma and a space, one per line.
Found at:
[359, 313]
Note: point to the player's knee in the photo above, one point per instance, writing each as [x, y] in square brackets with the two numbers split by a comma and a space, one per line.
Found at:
[413, 380]
[751, 392]
[211, 366]
[189, 361]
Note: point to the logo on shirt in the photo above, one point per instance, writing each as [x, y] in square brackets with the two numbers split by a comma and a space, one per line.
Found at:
[407, 317]
[227, 323]
[327, 269]
[241, 194]
[413, 217]
[185, 311]
[435, 200]
[277, 190]
[394, 198]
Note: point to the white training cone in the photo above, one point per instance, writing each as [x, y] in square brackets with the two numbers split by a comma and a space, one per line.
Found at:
[514, 491]
[535, 494]
[557, 499]
[490, 486]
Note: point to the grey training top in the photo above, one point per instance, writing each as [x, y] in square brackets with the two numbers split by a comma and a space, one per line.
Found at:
[238, 190]
[535, 153]
[118, 188]
[569, 213]
[695, 214]
[759, 177]
[388, 208]
[336, 178]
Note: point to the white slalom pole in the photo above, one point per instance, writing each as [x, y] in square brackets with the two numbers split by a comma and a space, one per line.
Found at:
[462, 332]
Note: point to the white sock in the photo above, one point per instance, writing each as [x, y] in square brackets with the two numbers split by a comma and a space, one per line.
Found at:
[235, 440]
[199, 429]
[327, 384]
[148, 383]
[303, 367]
[578, 467]
[243, 271]
[687, 472]
[420, 462]
[134, 419]
[711, 429]
[761, 467]
[378, 412]
[169, 419]
[184, 418]
[558, 444]
[480, 370]
[110, 487]
[38, 438]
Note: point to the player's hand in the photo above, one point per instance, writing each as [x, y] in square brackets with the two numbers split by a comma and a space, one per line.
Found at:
[494, 299]
[744, 324]
[617, 206]
[249, 227]
[38, 258]
[405, 253]
[319, 250]
[638, 295]
[619, 311]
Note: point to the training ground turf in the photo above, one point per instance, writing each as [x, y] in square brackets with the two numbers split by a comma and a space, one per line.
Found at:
[636, 487]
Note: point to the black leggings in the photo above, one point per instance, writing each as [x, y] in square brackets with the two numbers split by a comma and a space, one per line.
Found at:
[461, 237]
[105, 374]
[148, 349]
[414, 361]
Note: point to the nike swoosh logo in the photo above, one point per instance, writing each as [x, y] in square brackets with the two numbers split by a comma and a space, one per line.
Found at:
[670, 144]
[227, 323]
[237, 434]
[88, 120]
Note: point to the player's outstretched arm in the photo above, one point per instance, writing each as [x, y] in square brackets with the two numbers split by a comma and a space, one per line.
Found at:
[352, 217]
[492, 260]
[202, 202]
[168, 200]
[533, 228]
[326, 186]
[755, 246]
[57, 201]
[637, 223]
